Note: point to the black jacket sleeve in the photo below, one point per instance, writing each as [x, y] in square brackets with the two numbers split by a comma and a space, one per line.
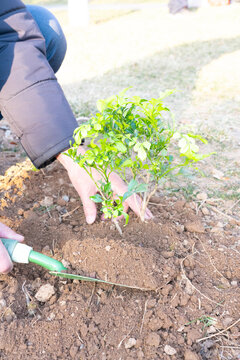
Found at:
[30, 97]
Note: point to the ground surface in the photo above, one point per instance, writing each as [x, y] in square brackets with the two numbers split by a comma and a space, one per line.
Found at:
[187, 260]
[187, 264]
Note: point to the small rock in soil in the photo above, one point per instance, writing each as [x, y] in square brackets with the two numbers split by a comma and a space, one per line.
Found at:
[20, 211]
[153, 339]
[211, 329]
[217, 174]
[140, 354]
[76, 229]
[151, 303]
[167, 254]
[47, 201]
[194, 227]
[73, 351]
[227, 321]
[205, 211]
[130, 343]
[228, 274]
[192, 336]
[155, 324]
[3, 304]
[169, 350]
[65, 198]
[156, 199]
[9, 315]
[216, 229]
[45, 292]
[189, 288]
[202, 196]
[61, 202]
[84, 330]
[189, 355]
[166, 290]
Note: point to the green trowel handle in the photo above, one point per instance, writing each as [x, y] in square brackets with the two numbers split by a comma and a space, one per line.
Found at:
[9, 245]
[24, 254]
[46, 261]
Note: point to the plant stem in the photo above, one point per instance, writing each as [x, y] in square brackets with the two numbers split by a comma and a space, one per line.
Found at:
[144, 203]
[117, 226]
[138, 207]
[151, 194]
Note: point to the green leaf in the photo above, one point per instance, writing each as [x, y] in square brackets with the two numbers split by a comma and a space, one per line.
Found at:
[84, 129]
[97, 127]
[132, 184]
[127, 163]
[121, 147]
[101, 105]
[96, 198]
[115, 213]
[126, 195]
[199, 137]
[126, 216]
[141, 188]
[146, 144]
[107, 188]
[142, 154]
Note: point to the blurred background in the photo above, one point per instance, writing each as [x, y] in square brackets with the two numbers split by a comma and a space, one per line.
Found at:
[152, 46]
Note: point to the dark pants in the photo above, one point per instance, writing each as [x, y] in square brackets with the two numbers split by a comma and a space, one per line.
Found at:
[51, 30]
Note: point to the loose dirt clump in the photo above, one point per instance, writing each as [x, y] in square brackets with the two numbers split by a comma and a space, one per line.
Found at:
[120, 262]
[190, 275]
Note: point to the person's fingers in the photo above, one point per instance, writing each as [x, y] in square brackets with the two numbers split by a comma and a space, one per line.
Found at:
[5, 261]
[89, 208]
[6, 232]
[134, 202]
[148, 214]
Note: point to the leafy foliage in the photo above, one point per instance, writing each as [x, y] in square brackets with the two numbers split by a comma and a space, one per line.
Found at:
[131, 135]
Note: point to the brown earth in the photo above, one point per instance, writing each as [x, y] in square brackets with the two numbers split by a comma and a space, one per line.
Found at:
[186, 260]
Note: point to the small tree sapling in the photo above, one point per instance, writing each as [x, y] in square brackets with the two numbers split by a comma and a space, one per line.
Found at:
[131, 136]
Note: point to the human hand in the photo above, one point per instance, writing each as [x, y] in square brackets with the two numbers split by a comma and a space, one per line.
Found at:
[5, 261]
[85, 187]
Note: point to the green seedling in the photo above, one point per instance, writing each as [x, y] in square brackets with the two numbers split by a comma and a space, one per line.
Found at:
[133, 138]
[207, 321]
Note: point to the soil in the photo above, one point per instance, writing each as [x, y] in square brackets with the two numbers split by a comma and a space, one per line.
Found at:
[186, 262]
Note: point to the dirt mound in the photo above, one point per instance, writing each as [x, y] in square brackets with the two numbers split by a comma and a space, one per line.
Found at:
[192, 273]
[120, 262]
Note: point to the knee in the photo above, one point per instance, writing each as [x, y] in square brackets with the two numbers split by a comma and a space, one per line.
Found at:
[51, 30]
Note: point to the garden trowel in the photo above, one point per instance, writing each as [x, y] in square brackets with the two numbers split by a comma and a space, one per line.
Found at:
[24, 254]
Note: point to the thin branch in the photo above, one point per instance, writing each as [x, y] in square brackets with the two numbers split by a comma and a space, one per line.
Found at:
[71, 212]
[119, 345]
[185, 276]
[137, 204]
[117, 226]
[220, 332]
[144, 313]
[233, 205]
[90, 300]
[210, 259]
[223, 214]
